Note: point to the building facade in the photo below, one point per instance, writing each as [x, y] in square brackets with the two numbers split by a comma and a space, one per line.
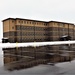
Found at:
[26, 30]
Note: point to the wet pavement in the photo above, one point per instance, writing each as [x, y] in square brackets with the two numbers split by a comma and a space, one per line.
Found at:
[64, 68]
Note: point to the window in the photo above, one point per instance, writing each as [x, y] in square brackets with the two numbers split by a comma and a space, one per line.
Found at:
[63, 25]
[30, 22]
[34, 22]
[27, 22]
[12, 27]
[21, 21]
[44, 24]
[24, 21]
[12, 21]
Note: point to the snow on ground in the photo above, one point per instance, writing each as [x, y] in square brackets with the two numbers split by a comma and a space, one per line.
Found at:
[34, 44]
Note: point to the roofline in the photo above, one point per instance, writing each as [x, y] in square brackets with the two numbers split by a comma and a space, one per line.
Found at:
[8, 19]
[61, 22]
[36, 20]
[30, 20]
[23, 19]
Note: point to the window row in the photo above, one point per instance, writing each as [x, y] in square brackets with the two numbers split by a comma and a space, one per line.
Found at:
[60, 29]
[43, 28]
[31, 22]
[29, 28]
[6, 34]
[34, 35]
[25, 39]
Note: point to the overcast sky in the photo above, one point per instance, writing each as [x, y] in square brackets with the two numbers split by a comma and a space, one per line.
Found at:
[57, 10]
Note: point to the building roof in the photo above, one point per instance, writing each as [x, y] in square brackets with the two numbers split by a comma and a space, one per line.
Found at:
[23, 19]
[8, 19]
[36, 20]
[30, 20]
[61, 22]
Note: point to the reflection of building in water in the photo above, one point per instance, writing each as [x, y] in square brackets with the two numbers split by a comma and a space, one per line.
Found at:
[26, 30]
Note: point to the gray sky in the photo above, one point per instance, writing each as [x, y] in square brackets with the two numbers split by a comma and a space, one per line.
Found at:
[58, 10]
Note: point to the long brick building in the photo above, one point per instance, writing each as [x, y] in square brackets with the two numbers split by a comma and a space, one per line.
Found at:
[27, 30]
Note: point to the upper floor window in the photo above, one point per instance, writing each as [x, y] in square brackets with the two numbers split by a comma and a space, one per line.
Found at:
[30, 22]
[35, 22]
[12, 21]
[27, 22]
[21, 21]
[63, 25]
[12, 27]
[24, 21]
